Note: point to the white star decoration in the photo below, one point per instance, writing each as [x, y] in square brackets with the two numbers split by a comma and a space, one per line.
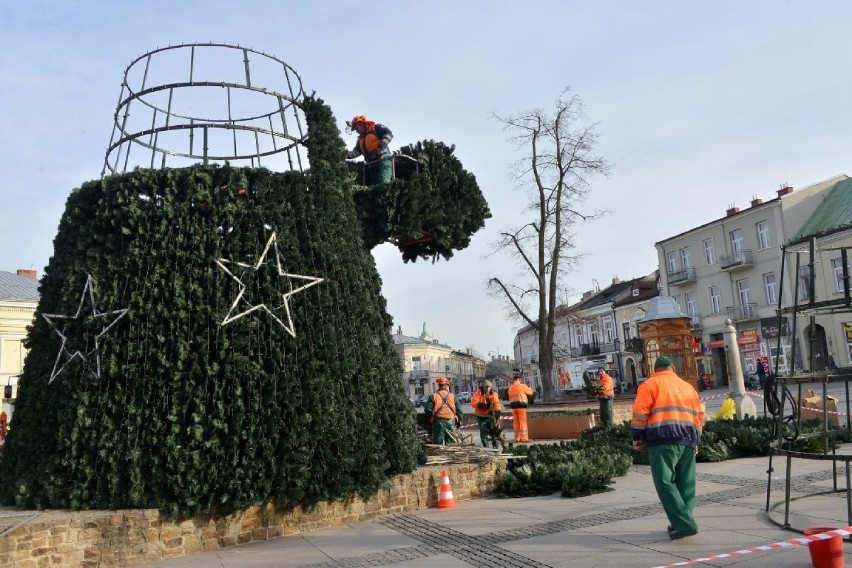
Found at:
[88, 291]
[288, 327]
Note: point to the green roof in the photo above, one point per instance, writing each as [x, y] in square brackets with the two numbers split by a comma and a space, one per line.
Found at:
[833, 214]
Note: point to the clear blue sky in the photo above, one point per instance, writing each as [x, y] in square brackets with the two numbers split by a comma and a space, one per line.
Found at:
[700, 104]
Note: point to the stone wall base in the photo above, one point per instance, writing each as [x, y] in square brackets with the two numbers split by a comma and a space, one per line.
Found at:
[92, 539]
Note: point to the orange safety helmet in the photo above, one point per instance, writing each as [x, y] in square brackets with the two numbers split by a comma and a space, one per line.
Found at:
[358, 118]
[442, 381]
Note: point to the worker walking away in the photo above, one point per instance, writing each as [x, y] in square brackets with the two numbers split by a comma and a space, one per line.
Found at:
[444, 411]
[667, 421]
[606, 394]
[518, 393]
[486, 408]
[372, 143]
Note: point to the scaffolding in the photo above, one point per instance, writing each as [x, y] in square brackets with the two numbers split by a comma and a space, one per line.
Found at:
[785, 424]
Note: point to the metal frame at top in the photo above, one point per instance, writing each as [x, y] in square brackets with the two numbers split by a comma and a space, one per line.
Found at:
[173, 123]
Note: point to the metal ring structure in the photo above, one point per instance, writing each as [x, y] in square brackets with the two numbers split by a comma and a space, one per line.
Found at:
[208, 102]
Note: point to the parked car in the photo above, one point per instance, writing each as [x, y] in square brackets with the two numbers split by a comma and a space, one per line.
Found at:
[464, 396]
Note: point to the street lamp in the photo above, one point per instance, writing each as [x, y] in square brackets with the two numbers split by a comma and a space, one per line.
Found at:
[620, 368]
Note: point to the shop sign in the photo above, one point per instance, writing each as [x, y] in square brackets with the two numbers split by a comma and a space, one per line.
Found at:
[769, 328]
[716, 344]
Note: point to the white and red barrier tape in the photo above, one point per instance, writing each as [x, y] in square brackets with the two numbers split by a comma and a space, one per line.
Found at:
[760, 395]
[767, 547]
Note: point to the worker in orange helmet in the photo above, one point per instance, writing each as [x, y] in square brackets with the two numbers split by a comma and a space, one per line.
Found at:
[443, 410]
[518, 393]
[372, 143]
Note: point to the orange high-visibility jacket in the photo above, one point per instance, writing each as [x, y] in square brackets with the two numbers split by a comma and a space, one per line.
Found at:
[444, 404]
[518, 392]
[606, 388]
[667, 411]
[491, 399]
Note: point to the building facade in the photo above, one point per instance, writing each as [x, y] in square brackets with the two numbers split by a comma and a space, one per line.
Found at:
[730, 268]
[18, 300]
[828, 232]
[596, 332]
[424, 359]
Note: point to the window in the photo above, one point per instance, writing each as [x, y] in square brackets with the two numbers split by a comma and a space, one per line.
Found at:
[673, 265]
[837, 269]
[690, 304]
[847, 327]
[625, 329]
[769, 285]
[744, 290]
[609, 330]
[685, 260]
[804, 283]
[715, 300]
[415, 362]
[709, 252]
[593, 334]
[737, 240]
[763, 235]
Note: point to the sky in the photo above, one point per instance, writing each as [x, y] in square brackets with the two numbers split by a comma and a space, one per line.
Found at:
[699, 105]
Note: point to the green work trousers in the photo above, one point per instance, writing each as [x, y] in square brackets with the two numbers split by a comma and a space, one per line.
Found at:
[439, 430]
[380, 172]
[673, 470]
[606, 412]
[489, 431]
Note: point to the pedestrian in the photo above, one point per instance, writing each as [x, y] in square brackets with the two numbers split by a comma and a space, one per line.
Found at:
[832, 366]
[667, 422]
[444, 413]
[486, 409]
[761, 373]
[518, 393]
[372, 143]
[606, 394]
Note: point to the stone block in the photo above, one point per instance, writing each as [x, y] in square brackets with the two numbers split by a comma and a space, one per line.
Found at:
[176, 542]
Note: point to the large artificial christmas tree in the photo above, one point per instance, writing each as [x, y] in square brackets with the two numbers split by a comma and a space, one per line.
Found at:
[211, 337]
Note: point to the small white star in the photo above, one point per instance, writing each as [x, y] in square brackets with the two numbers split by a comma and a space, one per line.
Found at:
[288, 327]
[88, 290]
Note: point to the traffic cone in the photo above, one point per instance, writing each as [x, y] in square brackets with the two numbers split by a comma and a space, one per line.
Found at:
[445, 493]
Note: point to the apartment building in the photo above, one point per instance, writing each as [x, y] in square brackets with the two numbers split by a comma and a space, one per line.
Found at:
[730, 268]
[424, 359]
[829, 229]
[18, 300]
[598, 331]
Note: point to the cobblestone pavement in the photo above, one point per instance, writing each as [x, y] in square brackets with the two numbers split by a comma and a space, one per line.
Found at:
[485, 550]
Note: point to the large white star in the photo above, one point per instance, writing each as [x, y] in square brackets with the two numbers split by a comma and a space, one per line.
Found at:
[288, 327]
[88, 292]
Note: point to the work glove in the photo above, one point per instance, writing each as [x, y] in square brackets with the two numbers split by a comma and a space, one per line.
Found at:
[482, 405]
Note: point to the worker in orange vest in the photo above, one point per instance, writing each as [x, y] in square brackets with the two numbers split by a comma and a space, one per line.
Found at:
[372, 143]
[444, 411]
[667, 422]
[486, 408]
[606, 394]
[518, 393]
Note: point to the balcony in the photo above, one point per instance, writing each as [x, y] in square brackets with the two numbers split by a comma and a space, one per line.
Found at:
[683, 276]
[590, 349]
[743, 312]
[739, 259]
[633, 345]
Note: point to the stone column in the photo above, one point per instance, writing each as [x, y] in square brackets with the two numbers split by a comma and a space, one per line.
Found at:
[736, 383]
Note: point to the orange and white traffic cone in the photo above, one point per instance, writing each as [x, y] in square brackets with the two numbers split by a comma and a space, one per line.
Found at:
[445, 493]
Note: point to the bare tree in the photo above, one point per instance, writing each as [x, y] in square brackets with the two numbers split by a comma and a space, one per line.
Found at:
[556, 170]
